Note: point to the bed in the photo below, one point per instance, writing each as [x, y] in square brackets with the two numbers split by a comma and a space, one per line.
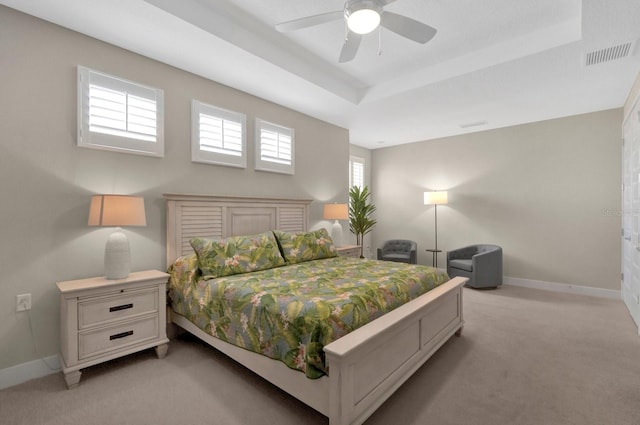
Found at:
[366, 365]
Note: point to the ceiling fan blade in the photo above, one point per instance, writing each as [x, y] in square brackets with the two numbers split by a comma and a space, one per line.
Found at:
[350, 47]
[310, 21]
[385, 2]
[407, 27]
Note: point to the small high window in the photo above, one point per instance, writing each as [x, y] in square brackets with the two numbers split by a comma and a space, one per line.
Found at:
[356, 172]
[116, 114]
[218, 136]
[274, 148]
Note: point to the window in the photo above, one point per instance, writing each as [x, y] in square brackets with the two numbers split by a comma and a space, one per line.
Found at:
[356, 172]
[274, 148]
[218, 136]
[120, 115]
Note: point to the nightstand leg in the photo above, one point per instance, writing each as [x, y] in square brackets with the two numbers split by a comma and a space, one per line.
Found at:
[72, 379]
[161, 350]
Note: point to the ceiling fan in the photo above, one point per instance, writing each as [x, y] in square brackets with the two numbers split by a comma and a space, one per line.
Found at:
[362, 17]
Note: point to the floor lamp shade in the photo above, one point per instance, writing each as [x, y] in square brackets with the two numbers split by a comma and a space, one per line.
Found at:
[336, 212]
[436, 198]
[116, 211]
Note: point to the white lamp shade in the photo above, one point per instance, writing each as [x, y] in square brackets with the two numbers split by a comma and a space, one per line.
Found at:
[117, 210]
[436, 198]
[335, 212]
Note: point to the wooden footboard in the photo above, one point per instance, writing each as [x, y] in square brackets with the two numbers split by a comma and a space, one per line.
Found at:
[368, 365]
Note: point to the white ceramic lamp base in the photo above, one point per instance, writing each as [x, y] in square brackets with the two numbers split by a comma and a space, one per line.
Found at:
[117, 256]
[336, 234]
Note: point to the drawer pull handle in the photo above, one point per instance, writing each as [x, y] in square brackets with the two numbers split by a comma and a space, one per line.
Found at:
[120, 335]
[120, 307]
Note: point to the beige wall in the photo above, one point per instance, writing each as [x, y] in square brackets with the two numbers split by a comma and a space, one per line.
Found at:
[548, 193]
[46, 180]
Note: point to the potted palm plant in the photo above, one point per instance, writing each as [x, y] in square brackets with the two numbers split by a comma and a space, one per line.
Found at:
[360, 210]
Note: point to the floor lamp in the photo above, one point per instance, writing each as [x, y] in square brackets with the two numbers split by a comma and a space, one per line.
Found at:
[435, 199]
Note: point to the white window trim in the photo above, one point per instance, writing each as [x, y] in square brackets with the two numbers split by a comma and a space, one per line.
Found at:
[265, 165]
[218, 158]
[357, 160]
[119, 143]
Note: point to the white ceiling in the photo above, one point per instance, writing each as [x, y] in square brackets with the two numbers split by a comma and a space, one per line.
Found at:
[493, 63]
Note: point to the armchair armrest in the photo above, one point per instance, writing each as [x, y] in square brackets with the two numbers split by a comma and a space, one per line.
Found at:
[488, 265]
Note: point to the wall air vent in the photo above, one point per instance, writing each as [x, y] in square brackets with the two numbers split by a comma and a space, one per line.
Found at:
[609, 54]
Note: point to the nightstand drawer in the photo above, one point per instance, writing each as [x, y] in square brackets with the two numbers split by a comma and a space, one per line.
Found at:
[104, 310]
[103, 340]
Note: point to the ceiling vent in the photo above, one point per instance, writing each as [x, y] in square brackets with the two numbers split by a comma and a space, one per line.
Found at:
[609, 54]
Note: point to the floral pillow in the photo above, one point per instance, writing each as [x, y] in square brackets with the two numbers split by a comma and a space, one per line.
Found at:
[237, 254]
[306, 246]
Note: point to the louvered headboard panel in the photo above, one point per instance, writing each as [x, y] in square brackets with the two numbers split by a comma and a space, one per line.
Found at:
[218, 217]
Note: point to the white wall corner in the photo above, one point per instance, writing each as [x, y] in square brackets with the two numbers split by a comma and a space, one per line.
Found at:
[24, 372]
[563, 287]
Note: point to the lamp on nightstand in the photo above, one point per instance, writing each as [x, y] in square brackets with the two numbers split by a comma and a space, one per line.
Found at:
[336, 212]
[115, 211]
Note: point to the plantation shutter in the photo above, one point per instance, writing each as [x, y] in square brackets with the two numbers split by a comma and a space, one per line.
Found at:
[117, 114]
[218, 136]
[275, 147]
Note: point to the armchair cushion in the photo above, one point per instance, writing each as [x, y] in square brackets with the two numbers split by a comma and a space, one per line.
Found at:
[462, 264]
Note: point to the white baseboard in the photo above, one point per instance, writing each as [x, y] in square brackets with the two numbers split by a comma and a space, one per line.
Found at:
[564, 287]
[24, 372]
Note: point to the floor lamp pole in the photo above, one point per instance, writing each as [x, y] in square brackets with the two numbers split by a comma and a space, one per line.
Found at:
[436, 233]
[435, 198]
[436, 216]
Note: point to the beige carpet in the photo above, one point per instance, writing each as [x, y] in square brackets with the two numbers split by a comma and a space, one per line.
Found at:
[525, 357]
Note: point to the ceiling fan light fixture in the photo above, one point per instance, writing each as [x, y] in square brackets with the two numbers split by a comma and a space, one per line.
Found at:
[363, 17]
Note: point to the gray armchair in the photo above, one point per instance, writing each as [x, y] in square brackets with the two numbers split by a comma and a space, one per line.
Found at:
[400, 250]
[482, 264]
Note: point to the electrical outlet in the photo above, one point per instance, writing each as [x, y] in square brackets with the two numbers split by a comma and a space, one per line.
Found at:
[23, 302]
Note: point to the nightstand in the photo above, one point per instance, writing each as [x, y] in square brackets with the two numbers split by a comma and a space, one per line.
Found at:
[104, 319]
[349, 251]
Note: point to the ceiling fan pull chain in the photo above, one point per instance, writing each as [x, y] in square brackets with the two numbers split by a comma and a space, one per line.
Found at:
[346, 26]
[380, 41]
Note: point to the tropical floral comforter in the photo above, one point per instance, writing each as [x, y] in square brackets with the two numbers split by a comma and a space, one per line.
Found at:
[290, 313]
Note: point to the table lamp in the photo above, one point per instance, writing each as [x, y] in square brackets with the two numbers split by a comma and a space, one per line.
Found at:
[116, 211]
[336, 212]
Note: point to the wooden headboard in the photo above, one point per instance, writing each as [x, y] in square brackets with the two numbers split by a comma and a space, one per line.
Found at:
[218, 217]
